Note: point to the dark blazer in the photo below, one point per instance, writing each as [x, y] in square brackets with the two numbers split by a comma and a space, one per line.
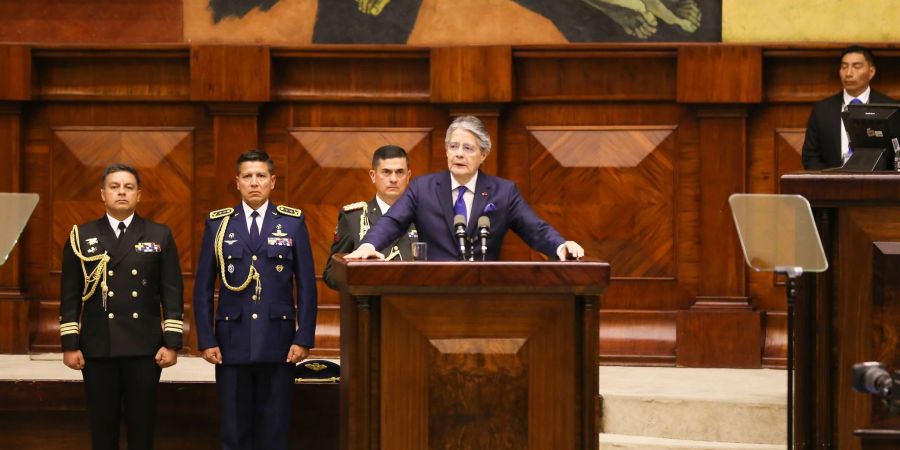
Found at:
[346, 236]
[142, 274]
[248, 328]
[428, 204]
[822, 145]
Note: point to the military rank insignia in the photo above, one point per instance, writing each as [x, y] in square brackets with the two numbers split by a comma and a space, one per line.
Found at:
[281, 241]
[288, 211]
[147, 247]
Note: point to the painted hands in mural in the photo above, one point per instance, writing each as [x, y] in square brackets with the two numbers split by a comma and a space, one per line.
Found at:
[372, 7]
[638, 17]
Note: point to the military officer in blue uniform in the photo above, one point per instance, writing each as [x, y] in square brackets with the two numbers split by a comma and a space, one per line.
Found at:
[390, 174]
[121, 311]
[265, 322]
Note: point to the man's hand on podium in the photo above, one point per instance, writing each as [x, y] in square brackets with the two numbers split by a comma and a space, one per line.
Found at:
[365, 251]
[570, 250]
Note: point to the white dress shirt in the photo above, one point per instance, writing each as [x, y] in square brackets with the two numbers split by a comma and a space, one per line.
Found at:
[114, 223]
[259, 219]
[845, 138]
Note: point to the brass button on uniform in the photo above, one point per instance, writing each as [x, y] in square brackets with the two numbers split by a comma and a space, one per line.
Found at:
[253, 297]
[135, 315]
[284, 317]
[111, 294]
[229, 256]
[110, 273]
[134, 294]
[134, 272]
[112, 316]
[254, 316]
[227, 318]
[280, 257]
[254, 257]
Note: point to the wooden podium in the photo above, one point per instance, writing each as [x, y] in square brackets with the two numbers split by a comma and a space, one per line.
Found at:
[850, 313]
[468, 355]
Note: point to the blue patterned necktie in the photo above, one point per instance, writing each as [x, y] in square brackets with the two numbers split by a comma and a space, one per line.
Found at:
[854, 101]
[254, 229]
[459, 208]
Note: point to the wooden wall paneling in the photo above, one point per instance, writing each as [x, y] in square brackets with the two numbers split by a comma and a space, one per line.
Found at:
[592, 172]
[719, 74]
[606, 74]
[471, 74]
[153, 75]
[723, 280]
[13, 305]
[393, 74]
[15, 79]
[230, 73]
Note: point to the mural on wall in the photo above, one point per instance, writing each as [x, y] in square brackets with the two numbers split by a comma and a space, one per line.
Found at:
[424, 22]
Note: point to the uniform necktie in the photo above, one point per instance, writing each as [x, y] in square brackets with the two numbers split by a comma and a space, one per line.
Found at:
[121, 230]
[459, 208]
[854, 101]
[254, 228]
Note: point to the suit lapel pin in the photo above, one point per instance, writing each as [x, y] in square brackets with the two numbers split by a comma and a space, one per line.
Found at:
[230, 235]
[279, 268]
[278, 232]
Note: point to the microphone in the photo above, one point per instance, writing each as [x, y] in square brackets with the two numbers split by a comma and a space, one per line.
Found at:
[484, 231]
[459, 229]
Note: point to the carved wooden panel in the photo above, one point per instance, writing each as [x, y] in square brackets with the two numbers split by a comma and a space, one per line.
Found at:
[625, 182]
[162, 157]
[788, 150]
[497, 402]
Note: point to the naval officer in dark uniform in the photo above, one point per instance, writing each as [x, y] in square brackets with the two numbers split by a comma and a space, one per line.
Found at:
[121, 311]
[390, 174]
[265, 322]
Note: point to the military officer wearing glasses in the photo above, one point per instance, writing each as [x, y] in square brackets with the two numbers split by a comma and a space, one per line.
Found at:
[121, 311]
[265, 322]
[390, 174]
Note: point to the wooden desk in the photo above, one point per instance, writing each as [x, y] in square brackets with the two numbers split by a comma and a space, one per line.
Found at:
[469, 355]
[850, 313]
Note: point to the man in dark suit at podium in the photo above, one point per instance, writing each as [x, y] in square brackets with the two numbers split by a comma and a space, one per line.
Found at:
[433, 201]
[827, 143]
[390, 175]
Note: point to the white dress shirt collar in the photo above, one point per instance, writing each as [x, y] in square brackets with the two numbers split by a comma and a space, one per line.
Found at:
[114, 223]
[470, 185]
[248, 211]
[382, 205]
[864, 97]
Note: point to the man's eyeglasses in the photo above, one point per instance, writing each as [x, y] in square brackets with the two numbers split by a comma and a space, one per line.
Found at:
[466, 148]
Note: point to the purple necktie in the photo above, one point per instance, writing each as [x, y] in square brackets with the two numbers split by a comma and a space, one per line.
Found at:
[459, 208]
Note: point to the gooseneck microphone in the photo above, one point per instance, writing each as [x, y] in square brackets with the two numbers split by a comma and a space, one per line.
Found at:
[484, 231]
[459, 229]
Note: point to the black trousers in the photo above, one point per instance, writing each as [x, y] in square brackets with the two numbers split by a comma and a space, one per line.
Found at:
[114, 385]
[255, 405]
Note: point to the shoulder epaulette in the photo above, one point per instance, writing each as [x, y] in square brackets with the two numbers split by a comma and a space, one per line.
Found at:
[354, 206]
[219, 213]
[288, 211]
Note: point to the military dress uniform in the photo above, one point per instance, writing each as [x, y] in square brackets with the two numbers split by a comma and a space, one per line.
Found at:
[354, 221]
[256, 320]
[121, 300]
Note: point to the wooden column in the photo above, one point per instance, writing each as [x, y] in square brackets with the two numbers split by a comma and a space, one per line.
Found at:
[15, 87]
[233, 81]
[475, 81]
[721, 329]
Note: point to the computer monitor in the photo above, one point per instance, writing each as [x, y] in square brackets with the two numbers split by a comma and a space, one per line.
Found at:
[874, 133]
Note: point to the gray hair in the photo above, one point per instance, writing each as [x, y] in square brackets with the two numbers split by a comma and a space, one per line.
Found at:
[473, 125]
